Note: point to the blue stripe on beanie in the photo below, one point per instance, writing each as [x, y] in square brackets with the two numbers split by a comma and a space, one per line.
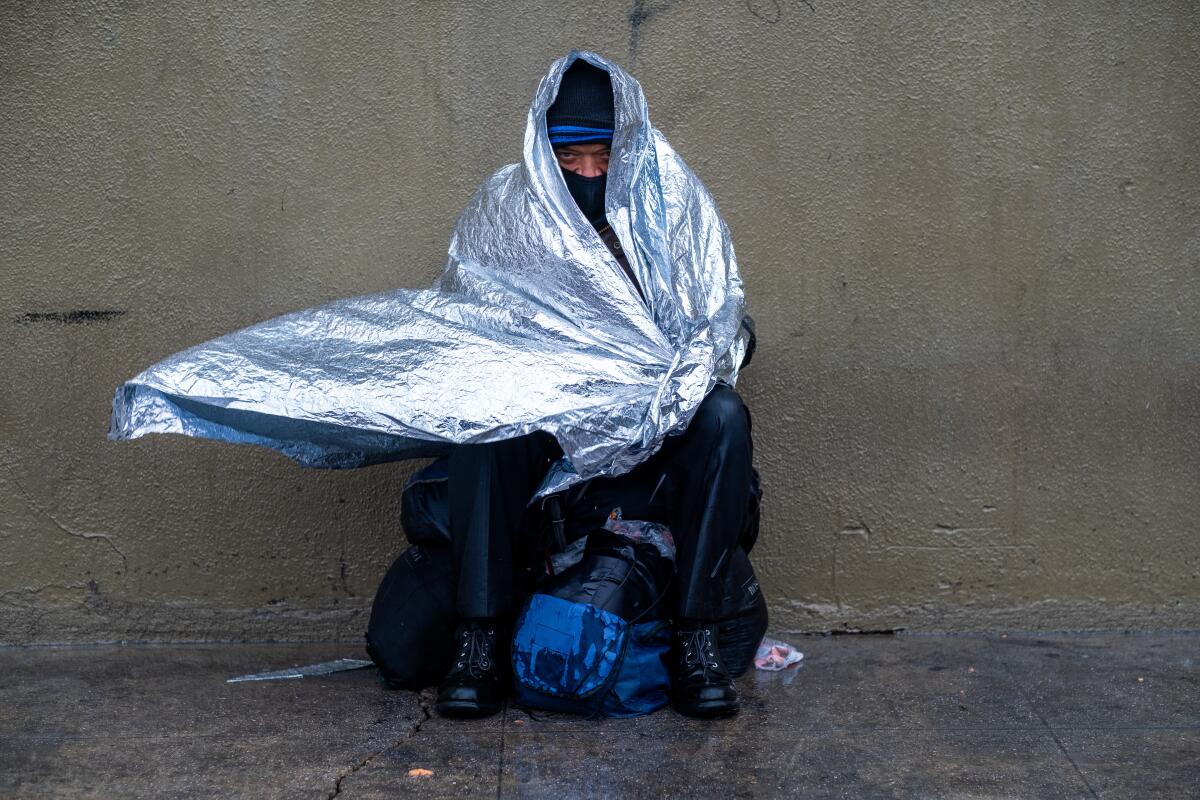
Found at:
[555, 140]
[578, 129]
[566, 134]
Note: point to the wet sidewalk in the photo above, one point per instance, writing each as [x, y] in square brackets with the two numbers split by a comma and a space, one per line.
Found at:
[1016, 716]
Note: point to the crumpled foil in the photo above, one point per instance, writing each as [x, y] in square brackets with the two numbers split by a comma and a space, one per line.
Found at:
[532, 326]
[307, 671]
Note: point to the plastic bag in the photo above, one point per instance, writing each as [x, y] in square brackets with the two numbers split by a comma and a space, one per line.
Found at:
[639, 530]
[774, 655]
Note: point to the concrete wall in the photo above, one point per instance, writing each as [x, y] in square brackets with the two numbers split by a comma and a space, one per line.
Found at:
[969, 235]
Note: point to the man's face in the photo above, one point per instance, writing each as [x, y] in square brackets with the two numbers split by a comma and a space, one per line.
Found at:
[585, 160]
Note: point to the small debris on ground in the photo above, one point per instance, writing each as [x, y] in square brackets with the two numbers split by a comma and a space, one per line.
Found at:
[774, 655]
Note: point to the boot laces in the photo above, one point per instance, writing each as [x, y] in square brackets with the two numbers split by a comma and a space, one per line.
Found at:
[699, 650]
[475, 651]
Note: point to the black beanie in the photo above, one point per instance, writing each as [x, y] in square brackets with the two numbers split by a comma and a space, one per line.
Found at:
[583, 111]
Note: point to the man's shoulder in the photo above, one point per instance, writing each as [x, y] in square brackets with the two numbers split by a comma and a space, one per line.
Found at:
[497, 189]
[690, 191]
[502, 179]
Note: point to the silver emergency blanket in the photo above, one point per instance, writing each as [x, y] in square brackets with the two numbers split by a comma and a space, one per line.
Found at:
[532, 326]
[307, 671]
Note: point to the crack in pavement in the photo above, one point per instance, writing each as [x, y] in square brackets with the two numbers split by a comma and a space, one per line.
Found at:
[424, 703]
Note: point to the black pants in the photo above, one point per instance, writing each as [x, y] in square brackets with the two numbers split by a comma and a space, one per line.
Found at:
[698, 484]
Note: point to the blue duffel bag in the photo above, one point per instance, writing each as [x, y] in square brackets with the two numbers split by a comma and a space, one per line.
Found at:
[594, 638]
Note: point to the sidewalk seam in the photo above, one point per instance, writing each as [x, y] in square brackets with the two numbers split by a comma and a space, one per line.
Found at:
[1054, 734]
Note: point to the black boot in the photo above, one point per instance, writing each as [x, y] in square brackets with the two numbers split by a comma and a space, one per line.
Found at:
[700, 685]
[478, 679]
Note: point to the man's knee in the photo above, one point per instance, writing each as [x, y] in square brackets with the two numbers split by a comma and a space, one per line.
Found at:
[722, 413]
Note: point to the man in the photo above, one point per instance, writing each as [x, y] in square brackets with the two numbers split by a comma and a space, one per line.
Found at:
[591, 316]
[698, 482]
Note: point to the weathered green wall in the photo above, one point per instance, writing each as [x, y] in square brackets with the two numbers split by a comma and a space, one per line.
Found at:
[969, 234]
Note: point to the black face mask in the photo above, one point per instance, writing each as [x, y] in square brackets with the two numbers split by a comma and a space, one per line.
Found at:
[589, 195]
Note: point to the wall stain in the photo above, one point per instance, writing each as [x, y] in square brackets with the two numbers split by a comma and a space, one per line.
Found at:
[83, 316]
[641, 13]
